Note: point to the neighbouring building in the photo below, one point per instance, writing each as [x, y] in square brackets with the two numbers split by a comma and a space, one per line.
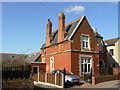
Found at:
[75, 46]
[8, 58]
[113, 52]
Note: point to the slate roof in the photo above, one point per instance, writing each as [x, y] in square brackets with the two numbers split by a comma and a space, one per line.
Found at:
[11, 57]
[112, 41]
[32, 57]
[70, 28]
[21, 58]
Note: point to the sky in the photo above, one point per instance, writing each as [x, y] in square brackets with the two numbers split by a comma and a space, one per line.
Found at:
[24, 23]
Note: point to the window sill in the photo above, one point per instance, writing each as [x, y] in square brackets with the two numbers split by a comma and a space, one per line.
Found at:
[85, 49]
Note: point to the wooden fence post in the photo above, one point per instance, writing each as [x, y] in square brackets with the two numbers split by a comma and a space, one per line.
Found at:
[38, 76]
[63, 77]
[55, 78]
[46, 77]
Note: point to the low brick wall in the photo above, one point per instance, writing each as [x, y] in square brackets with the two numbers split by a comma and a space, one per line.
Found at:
[98, 79]
[116, 71]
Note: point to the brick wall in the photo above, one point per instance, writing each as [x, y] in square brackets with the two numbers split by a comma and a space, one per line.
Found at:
[84, 28]
[61, 61]
[42, 67]
[116, 71]
[98, 79]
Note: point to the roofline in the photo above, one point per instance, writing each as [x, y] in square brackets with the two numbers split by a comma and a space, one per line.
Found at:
[76, 27]
[68, 24]
[54, 44]
[34, 53]
[113, 38]
[37, 63]
[13, 54]
[111, 45]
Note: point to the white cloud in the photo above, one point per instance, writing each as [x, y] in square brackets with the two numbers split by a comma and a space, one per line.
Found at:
[76, 9]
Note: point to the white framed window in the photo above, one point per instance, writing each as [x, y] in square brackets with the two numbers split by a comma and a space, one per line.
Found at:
[85, 42]
[85, 65]
[43, 60]
[51, 63]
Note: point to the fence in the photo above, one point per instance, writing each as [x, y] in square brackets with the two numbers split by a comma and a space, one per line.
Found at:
[49, 79]
[15, 71]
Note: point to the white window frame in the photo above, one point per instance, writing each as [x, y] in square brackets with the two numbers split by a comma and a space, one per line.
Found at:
[51, 63]
[80, 64]
[86, 41]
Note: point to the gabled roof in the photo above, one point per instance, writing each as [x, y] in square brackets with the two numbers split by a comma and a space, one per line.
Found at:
[70, 29]
[32, 57]
[112, 41]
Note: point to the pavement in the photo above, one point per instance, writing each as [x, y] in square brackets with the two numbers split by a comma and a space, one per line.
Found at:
[110, 85]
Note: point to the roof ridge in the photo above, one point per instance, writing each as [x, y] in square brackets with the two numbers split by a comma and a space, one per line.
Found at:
[13, 53]
[70, 22]
[34, 53]
[73, 21]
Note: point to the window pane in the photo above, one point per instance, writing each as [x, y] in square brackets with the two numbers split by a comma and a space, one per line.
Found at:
[88, 67]
[88, 60]
[83, 38]
[85, 60]
[82, 68]
[86, 38]
[86, 44]
[83, 44]
[82, 60]
[85, 67]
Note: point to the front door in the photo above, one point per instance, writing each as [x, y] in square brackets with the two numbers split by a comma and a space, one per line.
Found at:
[35, 73]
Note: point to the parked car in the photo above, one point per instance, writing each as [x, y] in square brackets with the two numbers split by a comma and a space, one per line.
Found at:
[69, 76]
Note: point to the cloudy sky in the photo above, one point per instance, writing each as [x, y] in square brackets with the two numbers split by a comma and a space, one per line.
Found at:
[24, 23]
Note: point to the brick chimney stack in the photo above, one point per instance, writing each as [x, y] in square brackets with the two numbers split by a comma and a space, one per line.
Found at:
[61, 27]
[48, 33]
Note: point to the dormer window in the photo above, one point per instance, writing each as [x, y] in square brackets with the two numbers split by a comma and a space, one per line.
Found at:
[85, 42]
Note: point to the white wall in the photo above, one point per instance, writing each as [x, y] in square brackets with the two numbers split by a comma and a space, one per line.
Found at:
[116, 53]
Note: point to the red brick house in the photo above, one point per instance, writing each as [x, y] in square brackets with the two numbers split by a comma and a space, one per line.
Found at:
[75, 46]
